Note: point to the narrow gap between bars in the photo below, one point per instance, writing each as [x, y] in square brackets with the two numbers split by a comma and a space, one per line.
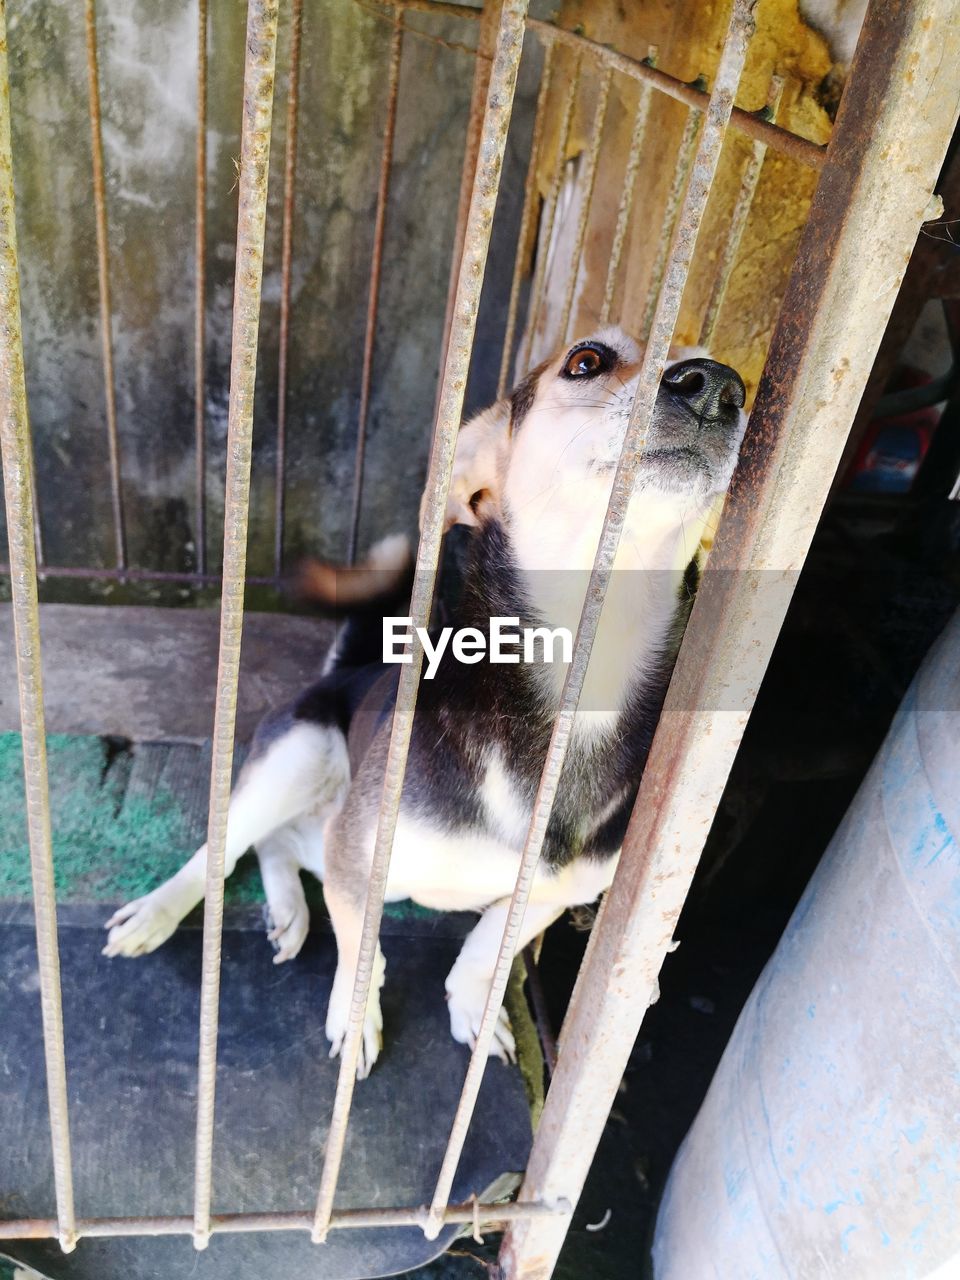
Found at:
[286, 269]
[258, 89]
[539, 283]
[376, 268]
[103, 280]
[587, 181]
[496, 120]
[686, 230]
[200, 297]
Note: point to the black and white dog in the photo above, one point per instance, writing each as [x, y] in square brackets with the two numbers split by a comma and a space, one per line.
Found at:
[533, 474]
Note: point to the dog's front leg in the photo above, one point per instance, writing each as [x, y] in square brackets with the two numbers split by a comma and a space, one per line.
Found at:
[468, 982]
[346, 915]
[274, 788]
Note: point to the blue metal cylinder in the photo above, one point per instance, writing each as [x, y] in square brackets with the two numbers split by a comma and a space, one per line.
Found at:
[829, 1141]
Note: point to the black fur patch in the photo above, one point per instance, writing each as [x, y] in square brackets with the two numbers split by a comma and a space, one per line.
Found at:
[523, 395]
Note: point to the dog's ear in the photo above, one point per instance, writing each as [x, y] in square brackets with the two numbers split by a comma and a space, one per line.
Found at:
[476, 465]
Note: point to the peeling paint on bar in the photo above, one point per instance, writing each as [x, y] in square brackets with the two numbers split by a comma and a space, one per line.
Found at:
[496, 122]
[18, 496]
[258, 89]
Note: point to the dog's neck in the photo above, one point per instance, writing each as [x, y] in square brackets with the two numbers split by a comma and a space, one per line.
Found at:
[540, 574]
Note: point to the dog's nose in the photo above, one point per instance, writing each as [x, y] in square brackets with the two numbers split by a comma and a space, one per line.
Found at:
[706, 387]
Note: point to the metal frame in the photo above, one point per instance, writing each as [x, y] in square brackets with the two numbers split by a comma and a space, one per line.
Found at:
[878, 174]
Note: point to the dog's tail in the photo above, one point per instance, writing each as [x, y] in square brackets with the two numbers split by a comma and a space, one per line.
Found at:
[359, 597]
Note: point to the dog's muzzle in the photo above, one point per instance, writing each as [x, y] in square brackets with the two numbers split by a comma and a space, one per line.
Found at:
[712, 392]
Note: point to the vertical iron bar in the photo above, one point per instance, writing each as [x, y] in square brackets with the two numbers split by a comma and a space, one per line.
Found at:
[103, 276]
[674, 198]
[200, 296]
[588, 179]
[547, 220]
[678, 264]
[496, 121]
[526, 219]
[899, 111]
[628, 189]
[376, 265]
[258, 86]
[18, 497]
[738, 220]
[286, 265]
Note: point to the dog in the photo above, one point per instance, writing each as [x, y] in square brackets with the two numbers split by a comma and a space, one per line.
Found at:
[532, 478]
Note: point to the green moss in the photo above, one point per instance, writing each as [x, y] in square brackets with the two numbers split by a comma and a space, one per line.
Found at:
[107, 844]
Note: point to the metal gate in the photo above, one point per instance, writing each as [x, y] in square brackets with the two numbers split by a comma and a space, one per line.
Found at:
[875, 190]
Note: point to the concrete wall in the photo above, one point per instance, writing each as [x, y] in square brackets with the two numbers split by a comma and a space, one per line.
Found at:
[148, 62]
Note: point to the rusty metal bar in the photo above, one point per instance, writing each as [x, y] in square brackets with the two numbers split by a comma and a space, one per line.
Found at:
[103, 277]
[18, 498]
[376, 266]
[651, 371]
[486, 40]
[200, 295]
[588, 180]
[898, 113]
[628, 189]
[286, 265]
[547, 220]
[496, 121]
[671, 213]
[738, 221]
[258, 85]
[222, 1223]
[753, 125]
[526, 220]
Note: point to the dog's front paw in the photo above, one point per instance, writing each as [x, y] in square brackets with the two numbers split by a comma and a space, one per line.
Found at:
[338, 1014]
[289, 924]
[140, 927]
[467, 999]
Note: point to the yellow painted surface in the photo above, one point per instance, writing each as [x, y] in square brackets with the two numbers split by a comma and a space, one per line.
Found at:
[689, 35]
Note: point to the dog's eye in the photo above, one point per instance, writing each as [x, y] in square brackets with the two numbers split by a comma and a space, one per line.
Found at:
[585, 362]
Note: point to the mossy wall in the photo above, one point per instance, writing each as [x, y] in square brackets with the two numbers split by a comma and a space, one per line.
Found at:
[148, 86]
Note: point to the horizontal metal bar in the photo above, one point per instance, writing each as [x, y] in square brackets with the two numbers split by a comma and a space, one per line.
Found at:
[224, 1223]
[898, 112]
[753, 125]
[15, 452]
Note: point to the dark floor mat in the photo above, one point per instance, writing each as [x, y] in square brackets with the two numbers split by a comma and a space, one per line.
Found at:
[131, 1042]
